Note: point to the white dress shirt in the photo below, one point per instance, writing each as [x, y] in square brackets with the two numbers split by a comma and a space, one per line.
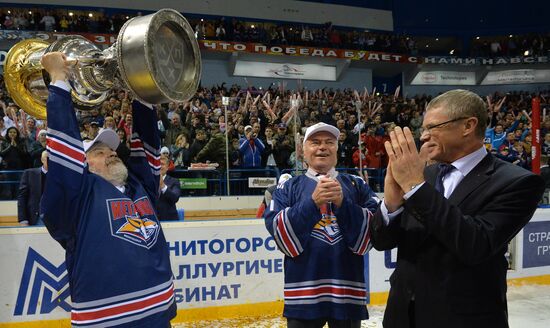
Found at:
[462, 166]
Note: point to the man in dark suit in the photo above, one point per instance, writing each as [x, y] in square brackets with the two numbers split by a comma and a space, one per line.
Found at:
[169, 192]
[451, 224]
[30, 192]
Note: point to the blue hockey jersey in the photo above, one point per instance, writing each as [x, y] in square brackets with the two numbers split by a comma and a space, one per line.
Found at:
[116, 254]
[324, 248]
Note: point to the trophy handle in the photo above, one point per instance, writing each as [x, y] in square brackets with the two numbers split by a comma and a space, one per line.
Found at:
[24, 78]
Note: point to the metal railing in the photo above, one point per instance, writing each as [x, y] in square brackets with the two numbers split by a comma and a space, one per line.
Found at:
[9, 184]
[374, 176]
[213, 182]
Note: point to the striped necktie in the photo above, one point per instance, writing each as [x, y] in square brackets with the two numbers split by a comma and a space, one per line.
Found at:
[444, 169]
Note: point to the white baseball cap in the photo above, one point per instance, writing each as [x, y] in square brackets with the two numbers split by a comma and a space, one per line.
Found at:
[321, 127]
[106, 136]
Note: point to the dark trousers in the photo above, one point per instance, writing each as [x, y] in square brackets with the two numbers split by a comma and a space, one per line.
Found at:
[319, 323]
[412, 319]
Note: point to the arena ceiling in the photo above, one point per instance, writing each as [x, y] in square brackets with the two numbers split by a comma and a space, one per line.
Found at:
[466, 17]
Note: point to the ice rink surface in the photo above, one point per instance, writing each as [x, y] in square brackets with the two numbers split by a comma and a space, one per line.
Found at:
[529, 307]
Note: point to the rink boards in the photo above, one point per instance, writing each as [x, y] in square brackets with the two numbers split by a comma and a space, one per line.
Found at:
[222, 269]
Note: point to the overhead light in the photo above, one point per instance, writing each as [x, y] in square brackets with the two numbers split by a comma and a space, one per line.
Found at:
[252, 26]
[90, 15]
[30, 12]
[526, 53]
[202, 20]
[9, 11]
[452, 52]
[127, 17]
[427, 46]
[477, 37]
[71, 14]
[510, 35]
[436, 39]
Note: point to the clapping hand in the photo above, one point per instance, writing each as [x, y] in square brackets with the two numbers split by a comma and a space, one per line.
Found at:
[328, 190]
[406, 167]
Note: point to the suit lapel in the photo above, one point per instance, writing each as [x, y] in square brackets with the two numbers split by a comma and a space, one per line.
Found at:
[477, 177]
[430, 174]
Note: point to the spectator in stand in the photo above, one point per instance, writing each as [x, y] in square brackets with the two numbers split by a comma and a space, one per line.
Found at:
[30, 191]
[126, 124]
[251, 148]
[30, 131]
[546, 145]
[214, 150]
[180, 151]
[269, 142]
[519, 156]
[345, 150]
[169, 192]
[235, 155]
[296, 159]
[64, 24]
[13, 151]
[545, 172]
[95, 116]
[49, 22]
[93, 130]
[283, 147]
[508, 144]
[3, 128]
[109, 123]
[198, 143]
[325, 115]
[164, 151]
[361, 159]
[307, 35]
[123, 149]
[220, 31]
[37, 148]
[174, 130]
[416, 124]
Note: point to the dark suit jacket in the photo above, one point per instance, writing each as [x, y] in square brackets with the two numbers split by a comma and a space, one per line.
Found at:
[451, 252]
[166, 206]
[28, 195]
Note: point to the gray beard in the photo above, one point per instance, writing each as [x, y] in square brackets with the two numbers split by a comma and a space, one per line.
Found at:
[118, 173]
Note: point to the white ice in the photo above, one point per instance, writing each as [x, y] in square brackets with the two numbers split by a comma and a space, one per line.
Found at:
[528, 307]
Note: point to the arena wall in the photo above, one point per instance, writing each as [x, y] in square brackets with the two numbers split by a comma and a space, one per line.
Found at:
[222, 269]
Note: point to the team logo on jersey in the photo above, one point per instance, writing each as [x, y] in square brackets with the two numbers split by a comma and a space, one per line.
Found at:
[327, 229]
[133, 221]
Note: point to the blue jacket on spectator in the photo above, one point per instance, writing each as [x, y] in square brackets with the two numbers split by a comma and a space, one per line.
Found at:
[497, 139]
[251, 152]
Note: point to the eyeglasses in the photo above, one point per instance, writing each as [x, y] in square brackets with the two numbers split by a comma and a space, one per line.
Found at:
[429, 128]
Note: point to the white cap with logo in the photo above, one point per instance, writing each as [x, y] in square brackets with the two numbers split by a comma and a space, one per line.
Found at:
[106, 136]
[321, 127]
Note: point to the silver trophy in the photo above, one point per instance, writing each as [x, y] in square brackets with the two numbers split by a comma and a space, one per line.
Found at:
[156, 57]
